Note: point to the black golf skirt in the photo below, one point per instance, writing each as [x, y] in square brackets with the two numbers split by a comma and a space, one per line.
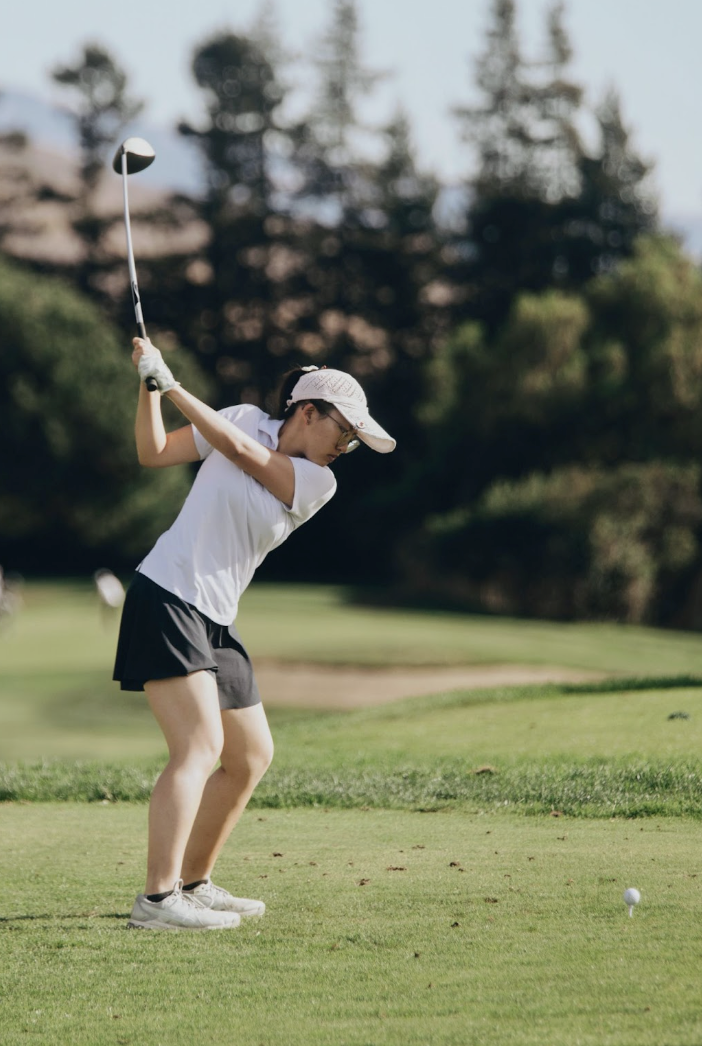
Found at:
[162, 636]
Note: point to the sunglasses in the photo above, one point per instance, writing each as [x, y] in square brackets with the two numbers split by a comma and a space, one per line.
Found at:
[347, 440]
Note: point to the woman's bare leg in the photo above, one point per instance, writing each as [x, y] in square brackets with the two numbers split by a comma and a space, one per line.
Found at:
[246, 755]
[187, 710]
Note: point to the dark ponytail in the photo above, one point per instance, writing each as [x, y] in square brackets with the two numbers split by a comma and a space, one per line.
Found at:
[287, 384]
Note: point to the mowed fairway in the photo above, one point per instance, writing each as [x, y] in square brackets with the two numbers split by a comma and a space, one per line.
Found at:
[440, 871]
[58, 699]
[506, 726]
[382, 928]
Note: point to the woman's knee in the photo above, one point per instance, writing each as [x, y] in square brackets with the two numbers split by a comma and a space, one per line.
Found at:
[199, 761]
[265, 756]
[248, 765]
[197, 753]
[187, 710]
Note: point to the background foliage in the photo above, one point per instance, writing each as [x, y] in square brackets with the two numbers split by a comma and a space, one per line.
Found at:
[532, 338]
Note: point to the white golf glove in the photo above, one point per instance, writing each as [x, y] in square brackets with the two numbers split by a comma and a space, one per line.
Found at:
[153, 366]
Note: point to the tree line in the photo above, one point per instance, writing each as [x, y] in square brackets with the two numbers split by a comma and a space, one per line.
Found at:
[531, 338]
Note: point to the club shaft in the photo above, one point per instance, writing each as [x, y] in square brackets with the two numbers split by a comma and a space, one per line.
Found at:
[141, 327]
[130, 249]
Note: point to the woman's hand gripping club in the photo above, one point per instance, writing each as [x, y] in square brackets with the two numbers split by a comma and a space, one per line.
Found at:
[150, 364]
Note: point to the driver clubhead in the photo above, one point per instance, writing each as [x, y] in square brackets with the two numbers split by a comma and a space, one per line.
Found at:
[139, 155]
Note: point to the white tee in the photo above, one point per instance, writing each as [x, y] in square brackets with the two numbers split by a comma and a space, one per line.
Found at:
[230, 522]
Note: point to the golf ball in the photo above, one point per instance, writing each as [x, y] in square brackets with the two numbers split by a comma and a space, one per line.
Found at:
[631, 896]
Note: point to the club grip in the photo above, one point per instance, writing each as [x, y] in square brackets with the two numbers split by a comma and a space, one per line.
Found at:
[150, 382]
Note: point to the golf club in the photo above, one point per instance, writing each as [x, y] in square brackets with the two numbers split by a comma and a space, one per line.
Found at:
[133, 155]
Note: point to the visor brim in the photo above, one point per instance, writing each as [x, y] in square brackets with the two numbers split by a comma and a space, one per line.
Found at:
[367, 428]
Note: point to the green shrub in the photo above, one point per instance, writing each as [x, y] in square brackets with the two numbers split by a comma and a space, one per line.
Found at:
[575, 543]
[71, 490]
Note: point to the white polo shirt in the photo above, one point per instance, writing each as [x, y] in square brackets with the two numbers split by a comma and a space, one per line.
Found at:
[229, 522]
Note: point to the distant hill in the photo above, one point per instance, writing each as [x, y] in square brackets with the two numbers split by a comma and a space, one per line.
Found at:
[50, 127]
[42, 229]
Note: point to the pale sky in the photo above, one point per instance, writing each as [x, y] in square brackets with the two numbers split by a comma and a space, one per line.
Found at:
[648, 49]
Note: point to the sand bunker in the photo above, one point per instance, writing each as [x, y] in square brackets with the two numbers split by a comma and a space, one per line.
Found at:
[342, 687]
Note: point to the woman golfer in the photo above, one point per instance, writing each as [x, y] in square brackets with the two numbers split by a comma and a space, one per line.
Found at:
[260, 479]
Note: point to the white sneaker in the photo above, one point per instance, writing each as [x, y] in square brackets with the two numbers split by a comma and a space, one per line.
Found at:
[179, 911]
[218, 899]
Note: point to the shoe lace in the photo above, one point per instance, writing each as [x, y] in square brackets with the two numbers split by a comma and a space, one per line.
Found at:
[218, 891]
[187, 897]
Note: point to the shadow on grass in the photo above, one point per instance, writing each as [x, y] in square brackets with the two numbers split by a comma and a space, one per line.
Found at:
[608, 686]
[53, 917]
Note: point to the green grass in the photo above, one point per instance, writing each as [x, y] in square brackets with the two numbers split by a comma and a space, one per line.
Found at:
[408, 902]
[468, 929]
[506, 725]
[56, 659]
[306, 623]
[582, 751]
[592, 789]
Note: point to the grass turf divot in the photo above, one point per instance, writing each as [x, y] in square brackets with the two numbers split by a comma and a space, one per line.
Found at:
[383, 928]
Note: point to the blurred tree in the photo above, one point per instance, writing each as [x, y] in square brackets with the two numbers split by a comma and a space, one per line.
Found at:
[372, 262]
[645, 344]
[72, 494]
[335, 128]
[577, 429]
[557, 103]
[309, 255]
[399, 315]
[371, 231]
[504, 405]
[372, 279]
[232, 288]
[542, 211]
[573, 543]
[382, 322]
[500, 128]
[265, 34]
[616, 203]
[22, 192]
[338, 192]
[523, 135]
[102, 108]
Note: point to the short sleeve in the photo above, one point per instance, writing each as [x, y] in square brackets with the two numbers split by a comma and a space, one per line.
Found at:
[233, 414]
[314, 487]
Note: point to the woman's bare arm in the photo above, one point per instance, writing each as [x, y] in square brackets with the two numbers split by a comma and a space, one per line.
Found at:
[157, 448]
[272, 469]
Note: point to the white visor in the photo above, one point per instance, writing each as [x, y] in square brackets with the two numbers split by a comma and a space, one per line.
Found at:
[344, 392]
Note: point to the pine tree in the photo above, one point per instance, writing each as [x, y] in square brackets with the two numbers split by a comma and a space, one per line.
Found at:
[508, 245]
[500, 129]
[265, 35]
[229, 308]
[401, 263]
[338, 201]
[543, 212]
[102, 108]
[335, 130]
[557, 101]
[616, 204]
